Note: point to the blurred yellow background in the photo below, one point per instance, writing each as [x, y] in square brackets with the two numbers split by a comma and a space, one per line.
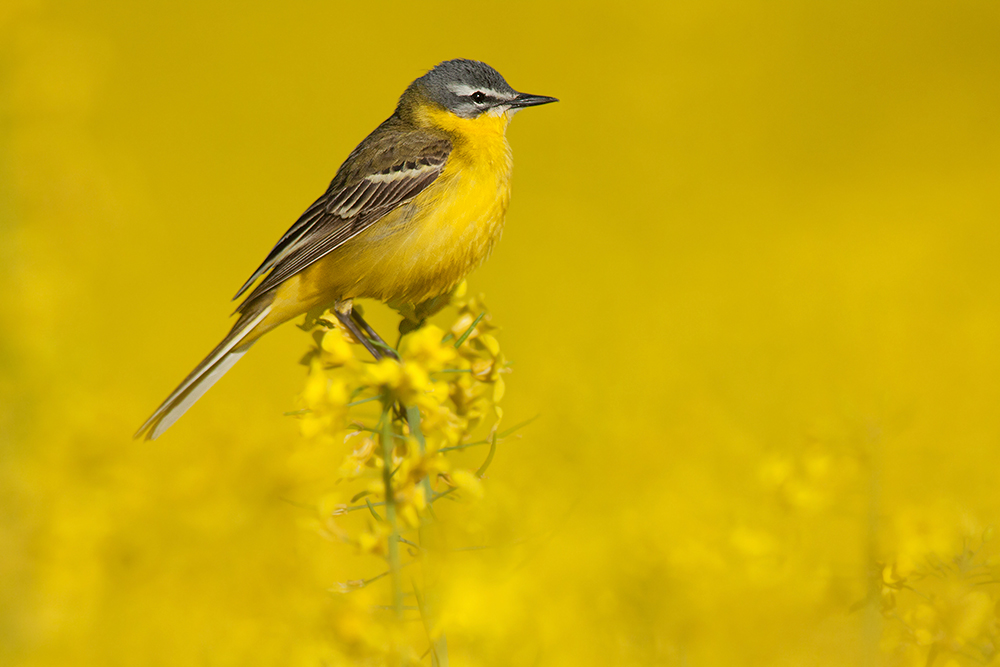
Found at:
[749, 279]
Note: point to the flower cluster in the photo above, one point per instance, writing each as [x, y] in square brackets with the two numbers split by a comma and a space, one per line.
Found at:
[941, 610]
[395, 422]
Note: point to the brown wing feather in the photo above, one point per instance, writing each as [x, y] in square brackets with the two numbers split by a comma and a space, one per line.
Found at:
[388, 169]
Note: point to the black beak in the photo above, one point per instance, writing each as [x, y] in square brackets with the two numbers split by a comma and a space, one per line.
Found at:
[525, 100]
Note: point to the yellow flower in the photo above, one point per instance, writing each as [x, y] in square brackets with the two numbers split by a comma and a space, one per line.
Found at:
[424, 346]
[316, 384]
[386, 373]
[404, 381]
[375, 539]
[337, 347]
[469, 483]
[355, 463]
[337, 394]
[453, 390]
[370, 542]
[490, 343]
[415, 379]
[311, 426]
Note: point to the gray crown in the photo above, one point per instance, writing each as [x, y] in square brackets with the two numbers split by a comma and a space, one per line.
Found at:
[467, 88]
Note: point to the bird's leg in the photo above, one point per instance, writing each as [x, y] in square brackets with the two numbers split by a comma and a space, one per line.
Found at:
[381, 344]
[398, 409]
[348, 322]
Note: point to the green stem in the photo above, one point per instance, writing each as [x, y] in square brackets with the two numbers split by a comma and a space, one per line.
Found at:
[413, 417]
[439, 645]
[486, 463]
[363, 400]
[390, 506]
[500, 436]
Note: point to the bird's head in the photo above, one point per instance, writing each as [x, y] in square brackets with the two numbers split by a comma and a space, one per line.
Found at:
[467, 89]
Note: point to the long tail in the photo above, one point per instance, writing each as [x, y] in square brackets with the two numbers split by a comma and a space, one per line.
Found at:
[201, 379]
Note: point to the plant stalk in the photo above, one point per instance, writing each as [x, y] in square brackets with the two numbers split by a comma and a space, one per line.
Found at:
[439, 644]
[390, 507]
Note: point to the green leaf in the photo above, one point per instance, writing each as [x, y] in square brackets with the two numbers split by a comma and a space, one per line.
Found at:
[468, 332]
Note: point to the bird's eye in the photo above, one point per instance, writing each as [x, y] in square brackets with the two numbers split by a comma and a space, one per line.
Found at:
[478, 97]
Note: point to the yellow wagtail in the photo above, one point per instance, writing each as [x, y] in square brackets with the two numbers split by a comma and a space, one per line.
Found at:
[412, 210]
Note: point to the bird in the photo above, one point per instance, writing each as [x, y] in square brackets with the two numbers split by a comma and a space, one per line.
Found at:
[414, 208]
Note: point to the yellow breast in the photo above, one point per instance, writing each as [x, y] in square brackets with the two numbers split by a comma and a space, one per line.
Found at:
[428, 246]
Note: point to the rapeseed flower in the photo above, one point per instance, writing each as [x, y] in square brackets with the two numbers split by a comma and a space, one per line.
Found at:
[396, 422]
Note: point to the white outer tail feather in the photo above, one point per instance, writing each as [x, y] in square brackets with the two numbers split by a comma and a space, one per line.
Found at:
[201, 380]
[196, 391]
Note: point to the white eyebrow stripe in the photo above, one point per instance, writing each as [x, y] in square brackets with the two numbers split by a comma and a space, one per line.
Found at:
[463, 90]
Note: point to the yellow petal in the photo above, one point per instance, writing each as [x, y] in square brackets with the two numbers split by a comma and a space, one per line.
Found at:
[490, 343]
[498, 390]
[337, 347]
[468, 482]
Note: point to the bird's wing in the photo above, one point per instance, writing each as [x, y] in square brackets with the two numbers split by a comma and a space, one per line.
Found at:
[388, 169]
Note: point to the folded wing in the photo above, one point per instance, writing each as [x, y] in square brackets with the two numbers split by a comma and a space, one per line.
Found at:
[384, 172]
